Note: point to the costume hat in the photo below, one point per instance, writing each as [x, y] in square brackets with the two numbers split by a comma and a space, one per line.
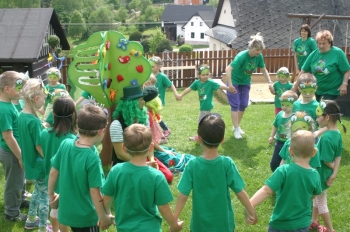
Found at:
[150, 93]
[132, 92]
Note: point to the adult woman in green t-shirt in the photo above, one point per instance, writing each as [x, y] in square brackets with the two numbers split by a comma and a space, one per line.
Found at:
[239, 74]
[330, 67]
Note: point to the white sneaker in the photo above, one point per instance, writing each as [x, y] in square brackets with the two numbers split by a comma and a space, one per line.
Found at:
[237, 134]
[241, 131]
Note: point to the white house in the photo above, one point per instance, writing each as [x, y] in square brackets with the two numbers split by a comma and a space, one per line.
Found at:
[194, 30]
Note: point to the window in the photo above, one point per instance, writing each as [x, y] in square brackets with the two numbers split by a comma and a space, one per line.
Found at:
[192, 35]
[192, 23]
[202, 35]
[201, 24]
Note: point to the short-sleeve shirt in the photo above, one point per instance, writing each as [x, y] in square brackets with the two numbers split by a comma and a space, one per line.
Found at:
[51, 89]
[330, 146]
[9, 121]
[137, 191]
[50, 119]
[243, 67]
[294, 187]
[162, 84]
[309, 108]
[303, 49]
[50, 143]
[283, 126]
[279, 90]
[285, 155]
[19, 106]
[205, 93]
[79, 170]
[29, 129]
[328, 68]
[210, 181]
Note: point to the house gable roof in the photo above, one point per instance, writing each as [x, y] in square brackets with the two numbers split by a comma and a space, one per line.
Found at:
[23, 32]
[183, 13]
[206, 16]
[270, 18]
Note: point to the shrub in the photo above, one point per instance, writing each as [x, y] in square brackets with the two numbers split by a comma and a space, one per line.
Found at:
[186, 48]
[135, 36]
[145, 44]
[53, 41]
[164, 45]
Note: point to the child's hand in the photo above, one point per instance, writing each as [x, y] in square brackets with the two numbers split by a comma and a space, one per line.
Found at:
[330, 180]
[54, 200]
[152, 164]
[272, 90]
[250, 219]
[271, 140]
[105, 222]
[232, 89]
[178, 97]
[177, 227]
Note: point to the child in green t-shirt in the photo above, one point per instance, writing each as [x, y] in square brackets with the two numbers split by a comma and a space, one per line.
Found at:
[29, 128]
[330, 147]
[205, 86]
[210, 177]
[283, 84]
[281, 126]
[295, 184]
[136, 186]
[10, 152]
[50, 139]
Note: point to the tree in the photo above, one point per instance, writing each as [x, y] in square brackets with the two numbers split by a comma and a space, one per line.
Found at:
[145, 45]
[213, 3]
[122, 14]
[165, 44]
[76, 30]
[158, 12]
[136, 36]
[101, 15]
[20, 4]
[149, 14]
[115, 3]
[156, 39]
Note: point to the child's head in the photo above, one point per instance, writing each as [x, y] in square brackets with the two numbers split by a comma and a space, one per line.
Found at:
[283, 75]
[301, 121]
[256, 43]
[307, 85]
[137, 139]
[91, 113]
[33, 94]
[152, 101]
[64, 115]
[53, 76]
[152, 80]
[329, 114]
[287, 99]
[204, 72]
[302, 144]
[156, 63]
[211, 130]
[11, 83]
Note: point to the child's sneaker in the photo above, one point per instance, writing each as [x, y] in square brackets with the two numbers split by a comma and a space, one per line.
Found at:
[167, 133]
[19, 218]
[24, 204]
[32, 225]
[47, 229]
[194, 138]
[241, 131]
[237, 134]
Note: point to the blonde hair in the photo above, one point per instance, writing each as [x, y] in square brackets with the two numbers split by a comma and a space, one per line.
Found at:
[288, 94]
[137, 139]
[325, 35]
[30, 90]
[152, 80]
[156, 59]
[302, 143]
[307, 78]
[8, 78]
[257, 42]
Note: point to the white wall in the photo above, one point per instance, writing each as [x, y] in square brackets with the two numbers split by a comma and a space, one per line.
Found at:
[226, 17]
[179, 30]
[216, 45]
[197, 29]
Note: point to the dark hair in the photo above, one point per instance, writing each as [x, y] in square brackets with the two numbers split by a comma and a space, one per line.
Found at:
[211, 129]
[137, 139]
[64, 114]
[91, 119]
[307, 28]
[333, 110]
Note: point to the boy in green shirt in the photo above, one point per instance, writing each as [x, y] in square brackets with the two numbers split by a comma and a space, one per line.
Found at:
[137, 189]
[78, 165]
[210, 177]
[295, 184]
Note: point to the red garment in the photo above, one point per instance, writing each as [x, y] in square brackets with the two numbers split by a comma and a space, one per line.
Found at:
[155, 128]
[165, 170]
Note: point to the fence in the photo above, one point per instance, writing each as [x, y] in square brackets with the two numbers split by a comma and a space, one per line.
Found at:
[181, 67]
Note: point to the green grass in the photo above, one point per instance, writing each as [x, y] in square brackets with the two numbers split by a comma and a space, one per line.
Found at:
[251, 155]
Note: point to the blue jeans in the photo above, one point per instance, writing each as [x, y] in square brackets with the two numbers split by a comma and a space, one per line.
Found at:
[276, 158]
[306, 229]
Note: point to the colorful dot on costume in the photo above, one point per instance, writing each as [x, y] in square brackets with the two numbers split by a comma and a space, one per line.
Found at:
[139, 68]
[120, 78]
[104, 84]
[109, 66]
[133, 52]
[124, 59]
[134, 82]
[122, 44]
[108, 44]
[103, 52]
[112, 94]
[109, 82]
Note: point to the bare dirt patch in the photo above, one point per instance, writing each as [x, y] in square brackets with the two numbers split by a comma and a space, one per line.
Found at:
[260, 92]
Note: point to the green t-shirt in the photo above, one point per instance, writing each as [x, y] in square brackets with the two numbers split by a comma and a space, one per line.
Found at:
[9, 121]
[205, 93]
[50, 119]
[309, 108]
[19, 106]
[79, 170]
[279, 90]
[328, 68]
[283, 126]
[51, 90]
[29, 129]
[50, 143]
[294, 187]
[303, 49]
[210, 181]
[137, 191]
[243, 67]
[162, 84]
[87, 95]
[285, 155]
[330, 146]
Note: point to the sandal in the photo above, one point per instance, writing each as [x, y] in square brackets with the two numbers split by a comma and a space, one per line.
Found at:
[314, 226]
[323, 229]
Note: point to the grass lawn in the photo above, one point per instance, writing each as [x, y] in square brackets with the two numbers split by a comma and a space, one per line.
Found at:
[251, 155]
